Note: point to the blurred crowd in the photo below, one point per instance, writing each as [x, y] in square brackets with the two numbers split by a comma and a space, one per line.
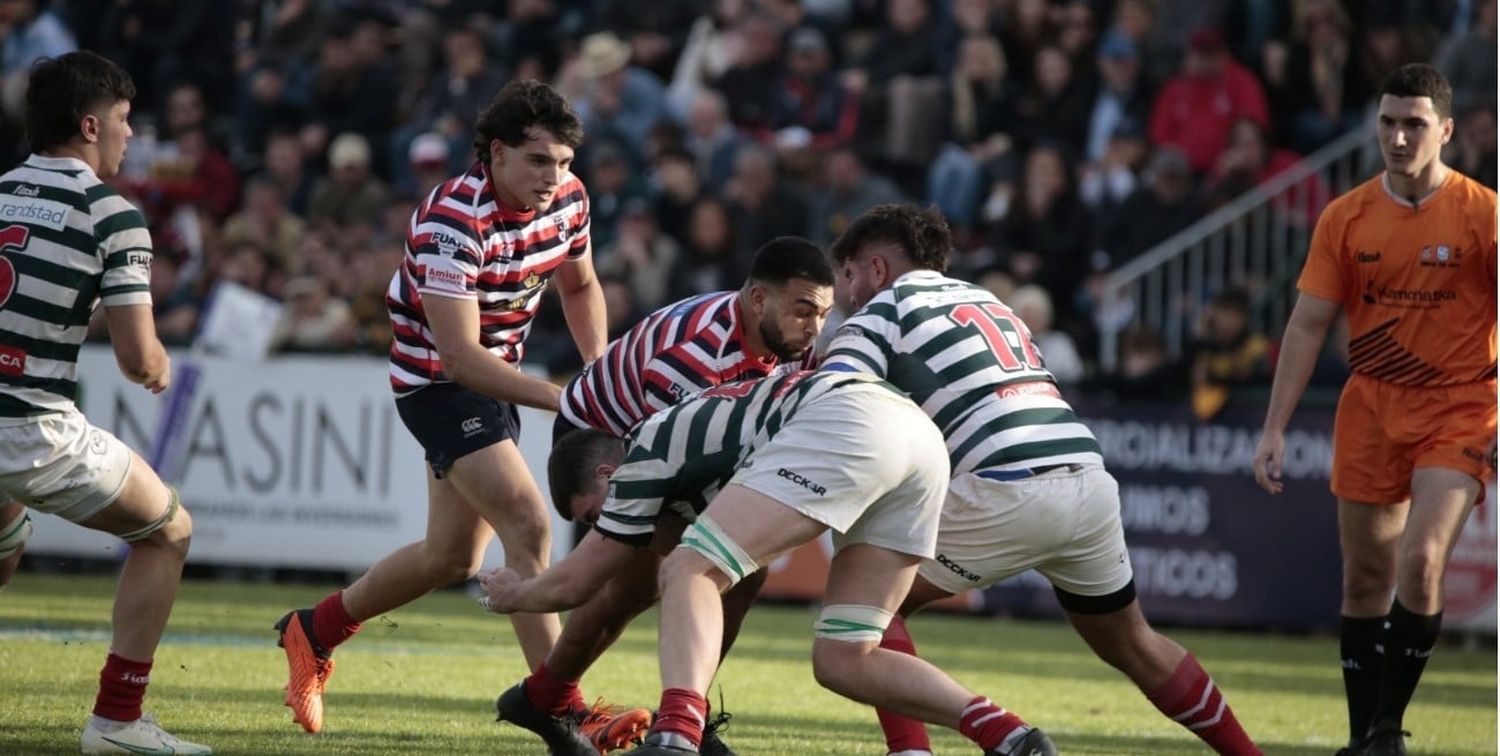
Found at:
[283, 144]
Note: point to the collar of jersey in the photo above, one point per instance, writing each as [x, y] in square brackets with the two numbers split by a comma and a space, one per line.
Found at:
[505, 213]
[55, 163]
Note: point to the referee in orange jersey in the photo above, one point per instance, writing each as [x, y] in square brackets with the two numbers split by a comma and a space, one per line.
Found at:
[1409, 256]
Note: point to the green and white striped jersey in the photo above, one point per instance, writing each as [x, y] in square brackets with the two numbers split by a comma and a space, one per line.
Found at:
[66, 242]
[970, 363]
[680, 457]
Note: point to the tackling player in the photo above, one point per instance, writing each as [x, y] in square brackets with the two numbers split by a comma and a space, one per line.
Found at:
[679, 350]
[1409, 257]
[67, 243]
[479, 252]
[1029, 488]
[760, 467]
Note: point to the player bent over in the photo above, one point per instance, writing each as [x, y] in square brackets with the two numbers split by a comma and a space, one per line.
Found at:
[768, 325]
[1029, 489]
[480, 250]
[74, 243]
[1409, 256]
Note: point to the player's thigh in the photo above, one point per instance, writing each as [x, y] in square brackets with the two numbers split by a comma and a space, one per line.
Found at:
[1441, 500]
[863, 574]
[743, 529]
[1373, 445]
[1369, 534]
[454, 527]
[498, 486]
[144, 505]
[991, 530]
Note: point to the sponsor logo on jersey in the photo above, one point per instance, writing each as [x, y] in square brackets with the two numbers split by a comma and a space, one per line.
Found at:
[801, 481]
[956, 569]
[1367, 257]
[1440, 256]
[36, 211]
[12, 360]
[471, 426]
[562, 227]
[444, 276]
[28, 191]
[139, 259]
[1410, 299]
[447, 245]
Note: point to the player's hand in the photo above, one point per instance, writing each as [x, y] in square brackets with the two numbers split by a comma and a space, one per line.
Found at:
[159, 383]
[1268, 461]
[499, 589]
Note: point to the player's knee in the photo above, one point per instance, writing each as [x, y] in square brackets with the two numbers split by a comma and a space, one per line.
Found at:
[447, 568]
[837, 665]
[1422, 570]
[172, 532]
[527, 539]
[1368, 579]
[682, 564]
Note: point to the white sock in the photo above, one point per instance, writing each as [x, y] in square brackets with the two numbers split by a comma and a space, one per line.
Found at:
[107, 725]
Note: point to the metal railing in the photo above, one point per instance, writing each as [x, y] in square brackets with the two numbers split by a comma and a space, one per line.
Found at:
[1256, 241]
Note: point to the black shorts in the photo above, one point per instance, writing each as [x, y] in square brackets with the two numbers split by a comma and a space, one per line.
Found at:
[562, 426]
[450, 422]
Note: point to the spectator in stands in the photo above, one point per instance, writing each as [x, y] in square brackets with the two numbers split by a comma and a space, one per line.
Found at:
[677, 190]
[981, 110]
[1104, 185]
[1026, 28]
[1122, 94]
[1044, 239]
[611, 185]
[1472, 150]
[765, 206]
[1229, 359]
[1060, 354]
[266, 221]
[285, 162]
[1143, 370]
[655, 32]
[350, 192]
[291, 35]
[173, 306]
[641, 255]
[708, 261]
[711, 138]
[430, 160]
[345, 95]
[266, 105]
[1078, 31]
[29, 31]
[714, 43]
[1165, 205]
[1469, 61]
[246, 263]
[312, 320]
[848, 191]
[902, 47]
[619, 101]
[812, 110]
[449, 103]
[1250, 160]
[1320, 90]
[751, 77]
[1197, 108]
[1057, 104]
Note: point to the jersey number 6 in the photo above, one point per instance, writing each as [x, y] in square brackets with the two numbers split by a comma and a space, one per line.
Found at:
[10, 237]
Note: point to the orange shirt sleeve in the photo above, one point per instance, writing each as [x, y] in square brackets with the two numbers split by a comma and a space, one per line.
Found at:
[1322, 273]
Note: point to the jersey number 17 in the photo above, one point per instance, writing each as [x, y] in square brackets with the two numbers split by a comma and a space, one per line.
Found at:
[1005, 334]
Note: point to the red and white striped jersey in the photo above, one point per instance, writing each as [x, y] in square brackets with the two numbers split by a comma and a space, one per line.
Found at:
[463, 243]
[675, 352]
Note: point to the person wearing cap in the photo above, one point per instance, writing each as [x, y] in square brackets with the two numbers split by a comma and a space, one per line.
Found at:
[1162, 206]
[619, 100]
[811, 108]
[428, 157]
[350, 192]
[1123, 92]
[1197, 108]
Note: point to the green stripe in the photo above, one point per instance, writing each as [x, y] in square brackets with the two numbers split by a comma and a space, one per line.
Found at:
[72, 239]
[1037, 449]
[697, 437]
[99, 191]
[947, 338]
[43, 348]
[67, 197]
[60, 386]
[654, 488]
[43, 269]
[859, 356]
[21, 523]
[36, 308]
[110, 291]
[911, 287]
[835, 625]
[121, 257]
[125, 220]
[715, 545]
[628, 519]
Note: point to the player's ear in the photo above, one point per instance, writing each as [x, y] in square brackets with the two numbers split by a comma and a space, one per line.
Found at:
[603, 470]
[497, 152]
[1447, 130]
[89, 127]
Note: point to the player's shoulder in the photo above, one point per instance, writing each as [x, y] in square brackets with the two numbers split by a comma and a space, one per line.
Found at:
[1358, 201]
[571, 196]
[1474, 194]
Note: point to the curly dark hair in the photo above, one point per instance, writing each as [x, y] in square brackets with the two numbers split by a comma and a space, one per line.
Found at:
[570, 466]
[64, 89]
[920, 232]
[521, 105]
[1421, 80]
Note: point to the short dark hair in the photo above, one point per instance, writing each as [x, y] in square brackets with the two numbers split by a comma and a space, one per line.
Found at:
[64, 89]
[1421, 80]
[521, 105]
[920, 232]
[570, 466]
[786, 257]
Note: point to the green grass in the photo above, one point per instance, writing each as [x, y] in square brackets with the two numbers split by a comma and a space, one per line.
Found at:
[424, 679]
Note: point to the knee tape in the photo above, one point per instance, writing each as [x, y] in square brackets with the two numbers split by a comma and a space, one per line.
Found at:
[173, 504]
[707, 538]
[13, 534]
[852, 623]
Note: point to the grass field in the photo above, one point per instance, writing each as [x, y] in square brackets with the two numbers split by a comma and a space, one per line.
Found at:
[424, 680]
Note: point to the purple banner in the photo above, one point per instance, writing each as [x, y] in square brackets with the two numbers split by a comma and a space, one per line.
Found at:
[1208, 546]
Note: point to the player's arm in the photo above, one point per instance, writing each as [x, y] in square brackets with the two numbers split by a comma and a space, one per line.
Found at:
[566, 585]
[139, 353]
[583, 305]
[455, 332]
[1305, 333]
[125, 289]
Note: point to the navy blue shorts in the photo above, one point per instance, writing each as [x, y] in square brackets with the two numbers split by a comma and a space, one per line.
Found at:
[450, 422]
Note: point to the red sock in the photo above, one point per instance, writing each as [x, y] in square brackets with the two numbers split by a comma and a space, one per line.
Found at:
[551, 693]
[1191, 699]
[332, 624]
[987, 724]
[902, 733]
[122, 685]
[682, 712]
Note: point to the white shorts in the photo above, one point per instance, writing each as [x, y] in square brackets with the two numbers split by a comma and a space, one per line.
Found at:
[60, 464]
[1065, 525]
[864, 461]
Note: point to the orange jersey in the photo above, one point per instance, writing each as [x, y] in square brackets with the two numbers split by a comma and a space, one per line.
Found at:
[1418, 284]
